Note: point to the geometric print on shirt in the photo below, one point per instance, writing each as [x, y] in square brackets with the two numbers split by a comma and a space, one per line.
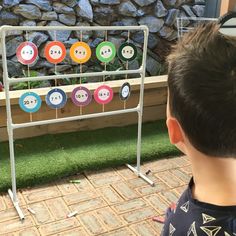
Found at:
[194, 218]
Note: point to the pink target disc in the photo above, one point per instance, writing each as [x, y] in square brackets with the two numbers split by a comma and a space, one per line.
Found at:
[103, 94]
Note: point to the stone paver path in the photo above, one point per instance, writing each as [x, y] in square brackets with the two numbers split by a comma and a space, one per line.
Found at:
[112, 202]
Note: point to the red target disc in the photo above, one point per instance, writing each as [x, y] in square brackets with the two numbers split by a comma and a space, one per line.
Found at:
[27, 53]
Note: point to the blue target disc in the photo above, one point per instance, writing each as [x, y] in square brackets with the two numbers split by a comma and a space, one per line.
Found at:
[56, 98]
[30, 102]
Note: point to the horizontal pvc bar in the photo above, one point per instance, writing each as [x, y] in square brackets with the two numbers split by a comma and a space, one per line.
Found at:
[73, 118]
[46, 28]
[64, 76]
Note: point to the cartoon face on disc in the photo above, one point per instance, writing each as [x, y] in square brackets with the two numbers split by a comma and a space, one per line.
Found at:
[30, 102]
[105, 51]
[56, 98]
[125, 91]
[55, 52]
[127, 52]
[103, 94]
[80, 52]
[27, 53]
[81, 96]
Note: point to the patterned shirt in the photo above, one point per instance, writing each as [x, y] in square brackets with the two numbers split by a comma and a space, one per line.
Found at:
[194, 218]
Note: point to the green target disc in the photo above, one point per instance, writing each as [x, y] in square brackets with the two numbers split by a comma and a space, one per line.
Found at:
[105, 51]
[127, 52]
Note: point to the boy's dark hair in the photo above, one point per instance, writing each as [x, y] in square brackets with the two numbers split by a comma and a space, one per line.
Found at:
[202, 89]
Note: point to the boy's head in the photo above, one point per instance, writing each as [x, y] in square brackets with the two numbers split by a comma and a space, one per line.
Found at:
[202, 91]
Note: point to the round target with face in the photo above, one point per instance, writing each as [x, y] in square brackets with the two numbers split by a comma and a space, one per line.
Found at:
[55, 52]
[30, 102]
[105, 51]
[27, 53]
[125, 91]
[80, 52]
[103, 94]
[81, 96]
[127, 52]
[56, 98]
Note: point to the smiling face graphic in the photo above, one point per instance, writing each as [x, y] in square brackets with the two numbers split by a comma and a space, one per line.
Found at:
[27, 53]
[125, 91]
[80, 52]
[105, 51]
[55, 52]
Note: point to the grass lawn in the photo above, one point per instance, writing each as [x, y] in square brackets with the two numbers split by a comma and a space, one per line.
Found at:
[51, 157]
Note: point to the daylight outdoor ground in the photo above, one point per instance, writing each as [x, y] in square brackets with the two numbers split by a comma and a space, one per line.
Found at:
[111, 202]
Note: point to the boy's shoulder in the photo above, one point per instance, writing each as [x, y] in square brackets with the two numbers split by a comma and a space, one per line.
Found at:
[194, 218]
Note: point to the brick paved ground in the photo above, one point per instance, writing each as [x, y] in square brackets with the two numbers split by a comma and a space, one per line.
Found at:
[113, 202]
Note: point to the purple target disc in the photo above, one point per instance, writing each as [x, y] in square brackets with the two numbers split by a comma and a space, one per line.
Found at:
[81, 96]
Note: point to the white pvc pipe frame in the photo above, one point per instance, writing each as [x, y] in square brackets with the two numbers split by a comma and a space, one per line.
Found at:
[8, 81]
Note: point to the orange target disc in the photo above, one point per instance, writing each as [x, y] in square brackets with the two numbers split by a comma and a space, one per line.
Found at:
[80, 52]
[55, 52]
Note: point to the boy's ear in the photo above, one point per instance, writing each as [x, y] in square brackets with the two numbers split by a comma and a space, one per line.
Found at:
[175, 132]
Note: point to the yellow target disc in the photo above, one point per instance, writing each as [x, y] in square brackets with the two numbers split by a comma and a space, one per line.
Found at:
[80, 52]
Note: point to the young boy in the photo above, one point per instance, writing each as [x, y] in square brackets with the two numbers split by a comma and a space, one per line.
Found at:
[201, 120]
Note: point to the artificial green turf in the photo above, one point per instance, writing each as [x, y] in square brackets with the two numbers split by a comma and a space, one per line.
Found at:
[50, 157]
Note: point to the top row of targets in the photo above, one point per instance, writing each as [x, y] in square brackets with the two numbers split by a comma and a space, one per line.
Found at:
[80, 52]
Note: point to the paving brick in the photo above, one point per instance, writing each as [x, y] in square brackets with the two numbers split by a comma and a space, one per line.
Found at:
[45, 194]
[126, 173]
[170, 196]
[59, 226]
[89, 205]
[120, 232]
[157, 226]
[74, 232]
[187, 170]
[181, 189]
[14, 225]
[84, 184]
[160, 165]
[110, 195]
[28, 232]
[79, 197]
[92, 224]
[148, 189]
[11, 213]
[143, 229]
[42, 214]
[109, 218]
[66, 188]
[2, 204]
[137, 182]
[58, 208]
[169, 179]
[158, 203]
[138, 215]
[181, 161]
[181, 175]
[130, 205]
[125, 191]
[107, 180]
[109, 172]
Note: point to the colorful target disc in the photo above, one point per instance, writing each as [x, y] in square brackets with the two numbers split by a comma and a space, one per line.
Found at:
[27, 53]
[103, 94]
[56, 98]
[127, 52]
[80, 52]
[55, 52]
[81, 96]
[125, 91]
[105, 51]
[30, 102]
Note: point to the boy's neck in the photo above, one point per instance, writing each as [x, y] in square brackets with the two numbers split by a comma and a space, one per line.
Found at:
[214, 178]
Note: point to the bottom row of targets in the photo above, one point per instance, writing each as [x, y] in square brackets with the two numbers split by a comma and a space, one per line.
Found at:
[80, 96]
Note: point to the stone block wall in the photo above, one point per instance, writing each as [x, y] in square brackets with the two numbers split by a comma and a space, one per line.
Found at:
[158, 15]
